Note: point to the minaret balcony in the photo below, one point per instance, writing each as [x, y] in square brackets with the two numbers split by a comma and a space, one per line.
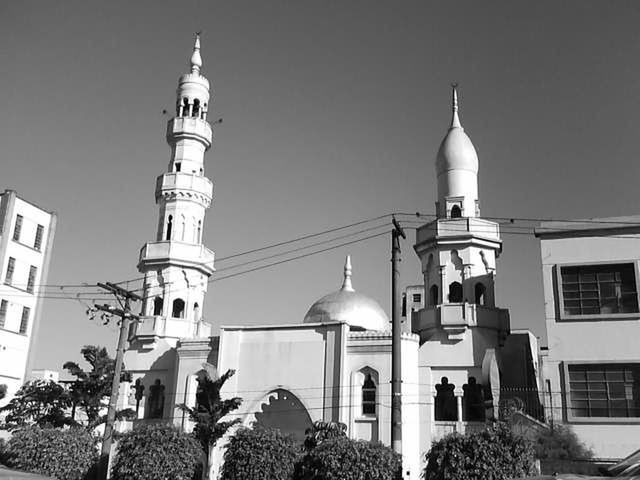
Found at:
[187, 186]
[172, 252]
[456, 318]
[189, 127]
[456, 230]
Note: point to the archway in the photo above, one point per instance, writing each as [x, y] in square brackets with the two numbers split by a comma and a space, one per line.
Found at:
[282, 410]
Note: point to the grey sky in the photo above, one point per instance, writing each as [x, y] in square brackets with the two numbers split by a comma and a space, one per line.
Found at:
[333, 112]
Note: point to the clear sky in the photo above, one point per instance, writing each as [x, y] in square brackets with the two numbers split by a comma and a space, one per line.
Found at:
[333, 112]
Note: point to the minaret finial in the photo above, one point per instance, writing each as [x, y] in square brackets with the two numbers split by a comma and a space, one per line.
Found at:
[346, 284]
[196, 59]
[455, 120]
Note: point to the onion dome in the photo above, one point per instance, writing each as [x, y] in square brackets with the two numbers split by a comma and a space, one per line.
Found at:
[456, 151]
[346, 305]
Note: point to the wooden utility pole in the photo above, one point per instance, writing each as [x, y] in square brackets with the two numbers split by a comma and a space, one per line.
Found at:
[125, 319]
[396, 332]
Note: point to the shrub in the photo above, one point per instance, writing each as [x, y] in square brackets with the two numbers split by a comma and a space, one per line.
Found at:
[156, 451]
[495, 453]
[66, 454]
[561, 443]
[257, 454]
[346, 459]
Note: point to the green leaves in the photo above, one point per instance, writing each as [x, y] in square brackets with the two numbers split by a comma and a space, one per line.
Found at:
[66, 454]
[495, 453]
[156, 451]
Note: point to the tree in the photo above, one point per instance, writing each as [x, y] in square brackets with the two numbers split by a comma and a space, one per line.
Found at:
[209, 411]
[91, 389]
[321, 431]
[39, 403]
[259, 453]
[156, 451]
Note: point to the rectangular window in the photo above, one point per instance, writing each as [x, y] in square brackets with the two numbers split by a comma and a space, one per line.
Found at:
[417, 298]
[37, 244]
[33, 271]
[11, 266]
[604, 390]
[599, 289]
[17, 228]
[24, 322]
[3, 312]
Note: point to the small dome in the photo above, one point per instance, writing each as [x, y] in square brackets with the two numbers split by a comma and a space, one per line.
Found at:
[456, 151]
[346, 305]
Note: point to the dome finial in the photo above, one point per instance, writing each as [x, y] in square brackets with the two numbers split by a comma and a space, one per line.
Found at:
[346, 284]
[196, 59]
[455, 120]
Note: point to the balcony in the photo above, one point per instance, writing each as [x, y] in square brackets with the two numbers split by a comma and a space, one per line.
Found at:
[149, 328]
[187, 185]
[189, 127]
[177, 253]
[456, 318]
[459, 227]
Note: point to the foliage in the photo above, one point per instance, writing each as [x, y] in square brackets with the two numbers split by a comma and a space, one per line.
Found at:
[321, 431]
[3, 391]
[210, 409]
[561, 442]
[91, 389]
[68, 454]
[342, 458]
[156, 451]
[38, 402]
[257, 454]
[494, 453]
[3, 450]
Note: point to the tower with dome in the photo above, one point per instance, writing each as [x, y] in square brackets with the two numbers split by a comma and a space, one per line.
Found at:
[334, 364]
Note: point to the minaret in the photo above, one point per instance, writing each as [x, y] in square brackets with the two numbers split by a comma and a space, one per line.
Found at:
[177, 266]
[458, 250]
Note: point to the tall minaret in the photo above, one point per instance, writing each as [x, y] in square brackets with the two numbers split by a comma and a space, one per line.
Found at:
[177, 266]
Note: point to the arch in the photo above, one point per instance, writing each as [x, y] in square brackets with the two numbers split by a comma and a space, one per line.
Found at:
[169, 227]
[445, 405]
[434, 298]
[177, 310]
[456, 212]
[199, 237]
[455, 292]
[369, 396]
[480, 293]
[183, 227]
[196, 108]
[284, 411]
[196, 312]
[185, 107]
[473, 401]
[157, 305]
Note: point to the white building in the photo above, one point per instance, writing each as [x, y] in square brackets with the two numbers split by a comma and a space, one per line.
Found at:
[590, 274]
[26, 240]
[335, 365]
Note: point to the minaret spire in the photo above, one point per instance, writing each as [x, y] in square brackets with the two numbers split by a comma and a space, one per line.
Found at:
[455, 120]
[346, 284]
[196, 59]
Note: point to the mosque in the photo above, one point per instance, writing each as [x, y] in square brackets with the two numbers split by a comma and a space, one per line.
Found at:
[458, 353]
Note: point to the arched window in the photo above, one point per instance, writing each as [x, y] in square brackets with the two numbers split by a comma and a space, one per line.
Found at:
[177, 166]
[199, 238]
[445, 402]
[196, 108]
[157, 305]
[183, 227]
[433, 295]
[185, 107]
[169, 226]
[480, 291]
[473, 401]
[178, 308]
[455, 292]
[456, 212]
[196, 311]
[368, 396]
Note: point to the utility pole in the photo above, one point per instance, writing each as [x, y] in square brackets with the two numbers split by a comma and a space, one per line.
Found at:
[125, 319]
[396, 332]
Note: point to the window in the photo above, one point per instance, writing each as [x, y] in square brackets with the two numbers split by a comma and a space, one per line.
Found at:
[169, 225]
[3, 312]
[455, 292]
[604, 390]
[417, 298]
[33, 271]
[599, 289]
[456, 212]
[480, 291]
[37, 244]
[433, 293]
[446, 408]
[11, 266]
[178, 166]
[368, 396]
[178, 308]
[24, 322]
[17, 228]
[157, 305]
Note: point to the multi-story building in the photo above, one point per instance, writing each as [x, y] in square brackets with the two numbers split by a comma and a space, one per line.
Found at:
[26, 239]
[590, 273]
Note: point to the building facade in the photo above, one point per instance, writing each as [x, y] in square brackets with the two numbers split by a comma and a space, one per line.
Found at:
[591, 273]
[26, 240]
[335, 364]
